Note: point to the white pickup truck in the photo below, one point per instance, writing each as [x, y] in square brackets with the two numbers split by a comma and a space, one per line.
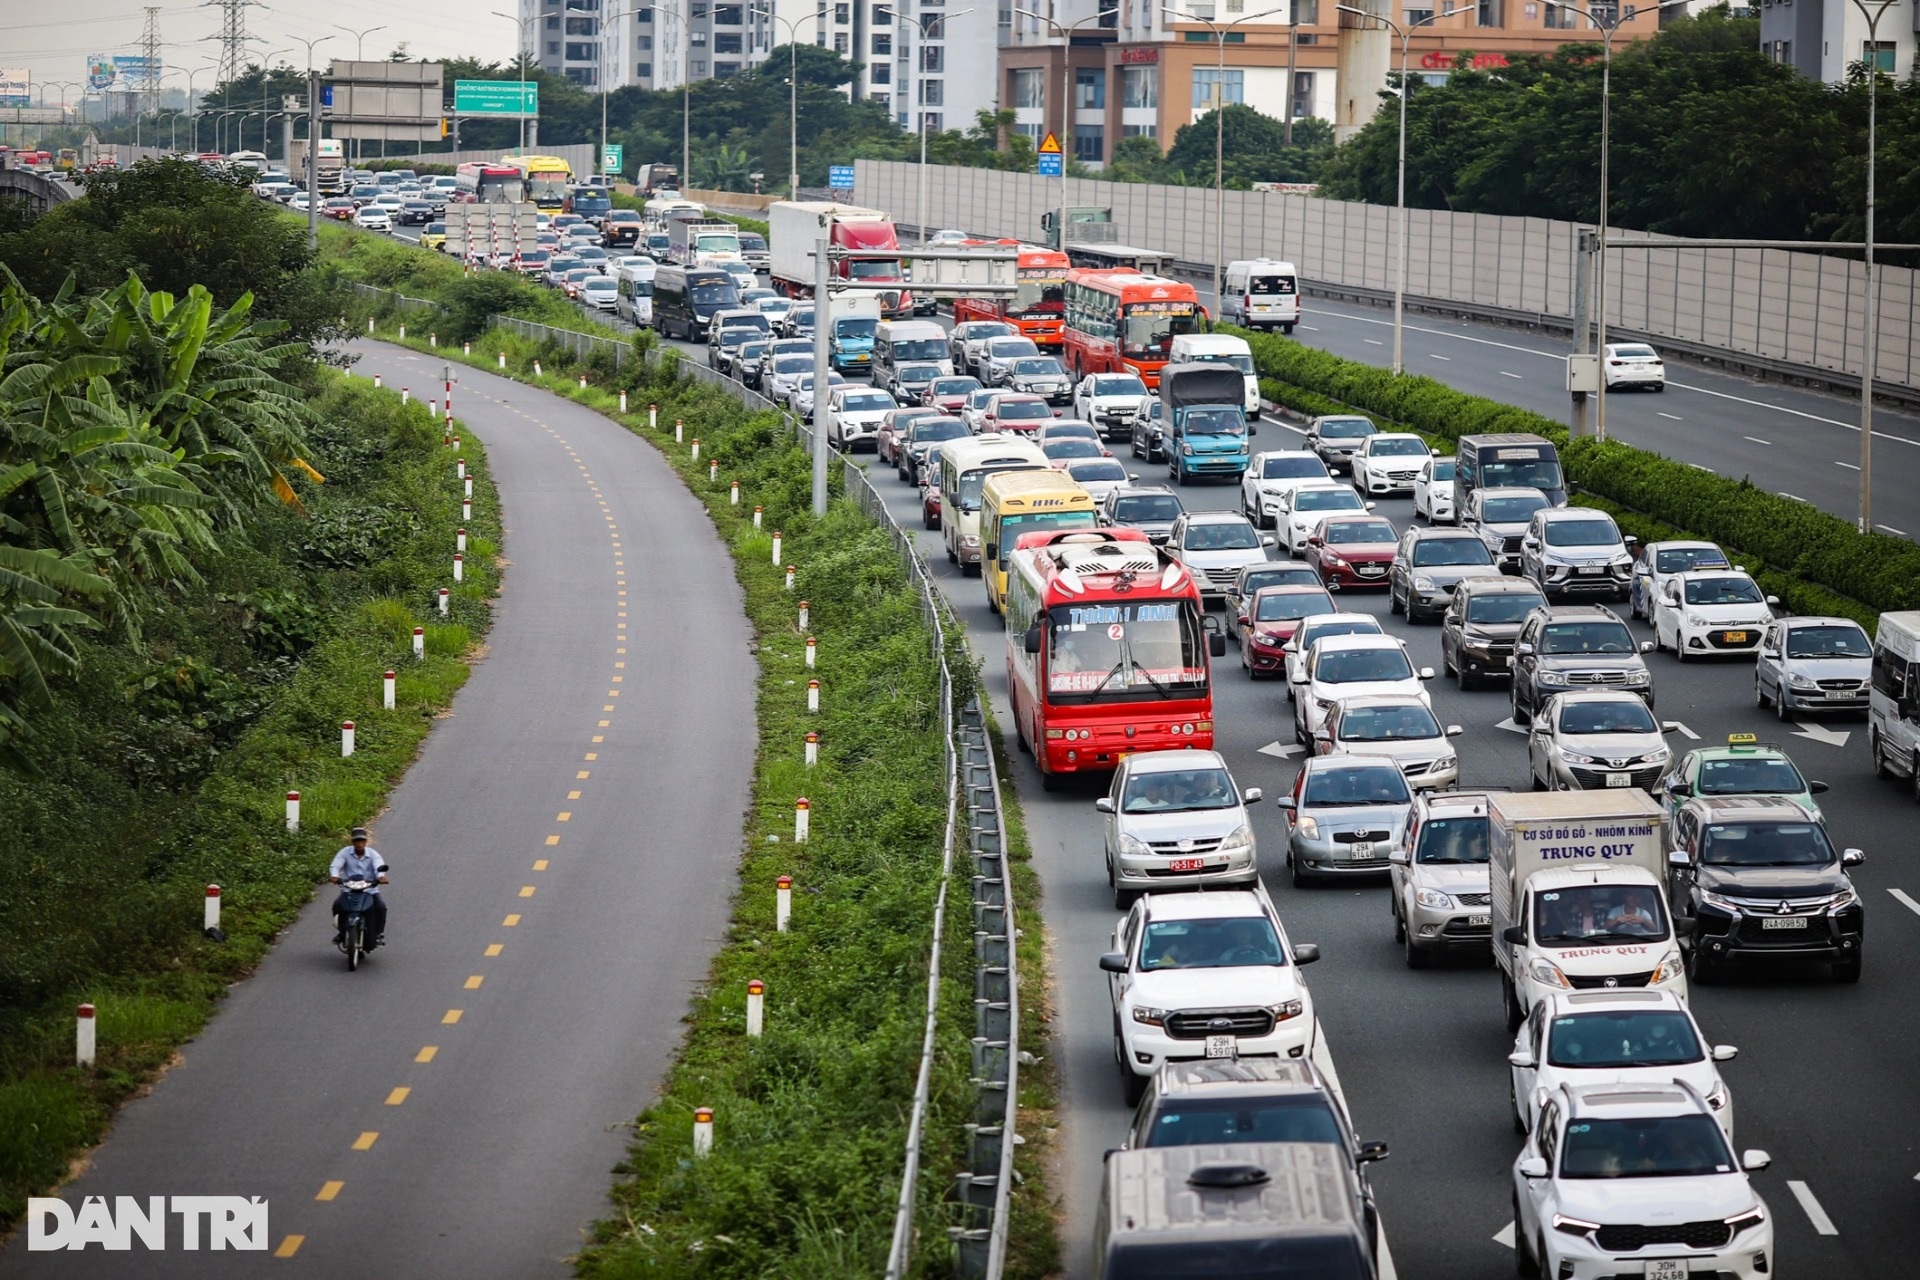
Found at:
[1578, 902]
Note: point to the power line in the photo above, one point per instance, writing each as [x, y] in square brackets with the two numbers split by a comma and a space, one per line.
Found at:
[150, 52]
[233, 38]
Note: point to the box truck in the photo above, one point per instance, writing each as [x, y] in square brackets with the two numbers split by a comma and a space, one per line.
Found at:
[794, 227]
[1578, 895]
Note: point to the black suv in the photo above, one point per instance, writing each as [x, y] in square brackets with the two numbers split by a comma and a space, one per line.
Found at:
[1581, 646]
[1480, 625]
[1232, 1100]
[1760, 878]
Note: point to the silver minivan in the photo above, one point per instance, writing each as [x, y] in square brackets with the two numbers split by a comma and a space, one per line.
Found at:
[1893, 709]
[908, 342]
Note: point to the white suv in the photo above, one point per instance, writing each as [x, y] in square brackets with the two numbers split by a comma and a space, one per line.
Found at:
[1637, 1179]
[1389, 463]
[1617, 1037]
[1273, 474]
[1177, 820]
[1205, 975]
[1351, 667]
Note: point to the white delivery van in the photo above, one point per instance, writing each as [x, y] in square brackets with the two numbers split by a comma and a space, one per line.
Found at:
[1259, 294]
[1219, 348]
[1893, 706]
[899, 342]
[1579, 899]
[634, 283]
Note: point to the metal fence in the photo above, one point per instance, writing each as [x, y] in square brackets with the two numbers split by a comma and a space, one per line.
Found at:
[1787, 311]
[973, 790]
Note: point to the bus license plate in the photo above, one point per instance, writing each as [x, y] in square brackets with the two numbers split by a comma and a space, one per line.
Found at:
[1186, 864]
[1667, 1269]
[1222, 1047]
[1619, 779]
[1783, 922]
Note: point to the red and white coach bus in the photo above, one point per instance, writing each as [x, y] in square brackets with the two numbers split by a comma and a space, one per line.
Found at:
[1124, 322]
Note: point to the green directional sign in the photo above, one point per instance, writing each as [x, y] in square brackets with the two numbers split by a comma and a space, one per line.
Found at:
[613, 158]
[496, 97]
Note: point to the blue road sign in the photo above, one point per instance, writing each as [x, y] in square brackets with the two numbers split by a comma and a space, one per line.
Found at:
[1050, 164]
[840, 177]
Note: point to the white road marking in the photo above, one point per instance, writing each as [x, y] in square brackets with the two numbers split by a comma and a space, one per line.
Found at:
[1697, 467]
[1509, 725]
[1434, 356]
[1796, 497]
[1515, 376]
[1914, 907]
[1685, 732]
[1898, 533]
[1848, 465]
[1673, 417]
[1505, 1235]
[1820, 733]
[1758, 440]
[1280, 750]
[1373, 342]
[1818, 1216]
[1310, 328]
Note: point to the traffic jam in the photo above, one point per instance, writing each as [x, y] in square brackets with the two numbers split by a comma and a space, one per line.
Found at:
[1626, 862]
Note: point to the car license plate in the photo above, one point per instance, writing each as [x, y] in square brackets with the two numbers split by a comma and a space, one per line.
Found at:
[1619, 779]
[1783, 922]
[1479, 922]
[1667, 1269]
[1363, 849]
[1591, 570]
[1222, 1047]
[1734, 637]
[1186, 864]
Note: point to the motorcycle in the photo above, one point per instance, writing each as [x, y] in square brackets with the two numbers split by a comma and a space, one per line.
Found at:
[356, 905]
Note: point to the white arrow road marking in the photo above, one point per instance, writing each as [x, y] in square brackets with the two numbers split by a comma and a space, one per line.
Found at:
[1504, 1236]
[1280, 750]
[1820, 733]
[1510, 726]
[1818, 1216]
[1914, 907]
[1685, 732]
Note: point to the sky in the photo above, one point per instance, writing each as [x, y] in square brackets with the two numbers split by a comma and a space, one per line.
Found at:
[54, 40]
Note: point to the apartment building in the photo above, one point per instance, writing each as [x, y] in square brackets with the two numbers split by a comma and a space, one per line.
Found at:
[1151, 66]
[611, 43]
[1821, 39]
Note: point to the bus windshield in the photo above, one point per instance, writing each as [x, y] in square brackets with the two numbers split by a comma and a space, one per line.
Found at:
[1149, 328]
[1044, 291]
[972, 482]
[1133, 650]
[1013, 526]
[548, 187]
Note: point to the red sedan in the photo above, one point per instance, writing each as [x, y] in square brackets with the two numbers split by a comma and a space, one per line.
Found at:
[1352, 551]
[1272, 616]
[949, 395]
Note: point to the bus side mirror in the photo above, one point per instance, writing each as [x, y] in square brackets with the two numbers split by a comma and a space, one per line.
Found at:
[1033, 638]
[1216, 644]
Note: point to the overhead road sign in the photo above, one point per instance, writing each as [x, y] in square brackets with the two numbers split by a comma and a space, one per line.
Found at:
[496, 97]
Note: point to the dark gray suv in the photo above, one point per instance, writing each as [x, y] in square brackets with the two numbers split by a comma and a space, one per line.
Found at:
[1563, 647]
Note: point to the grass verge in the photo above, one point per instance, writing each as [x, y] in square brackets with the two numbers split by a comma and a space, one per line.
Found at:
[177, 758]
[810, 1119]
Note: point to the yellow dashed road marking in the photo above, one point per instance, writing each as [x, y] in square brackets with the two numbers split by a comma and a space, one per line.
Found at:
[328, 1190]
[453, 1016]
[494, 949]
[473, 983]
[289, 1246]
[526, 891]
[398, 1095]
[366, 1140]
[426, 1053]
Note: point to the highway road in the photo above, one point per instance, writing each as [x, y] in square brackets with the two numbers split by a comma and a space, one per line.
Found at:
[455, 1108]
[1824, 1077]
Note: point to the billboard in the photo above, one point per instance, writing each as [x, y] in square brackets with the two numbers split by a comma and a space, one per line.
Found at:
[133, 71]
[100, 72]
[16, 87]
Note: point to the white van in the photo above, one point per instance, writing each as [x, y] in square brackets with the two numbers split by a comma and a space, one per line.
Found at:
[964, 468]
[634, 283]
[1259, 294]
[1893, 708]
[1219, 348]
[899, 342]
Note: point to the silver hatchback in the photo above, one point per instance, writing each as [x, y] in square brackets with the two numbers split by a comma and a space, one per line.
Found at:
[1349, 814]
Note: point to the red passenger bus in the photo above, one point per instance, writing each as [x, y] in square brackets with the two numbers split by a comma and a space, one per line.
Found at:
[1124, 322]
[488, 184]
[1107, 650]
[1038, 310]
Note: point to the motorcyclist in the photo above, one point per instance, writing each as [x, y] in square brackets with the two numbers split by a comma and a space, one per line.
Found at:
[358, 861]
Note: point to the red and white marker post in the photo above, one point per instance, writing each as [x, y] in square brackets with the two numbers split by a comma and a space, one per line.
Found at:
[293, 810]
[346, 738]
[802, 819]
[782, 903]
[702, 1132]
[813, 748]
[387, 683]
[813, 695]
[83, 1038]
[756, 1006]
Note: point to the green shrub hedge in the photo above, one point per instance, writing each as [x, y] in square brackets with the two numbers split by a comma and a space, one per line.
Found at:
[1827, 554]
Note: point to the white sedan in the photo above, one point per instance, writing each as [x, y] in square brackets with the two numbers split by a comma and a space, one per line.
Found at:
[1709, 611]
[1389, 462]
[1273, 474]
[1433, 492]
[1633, 364]
[1300, 512]
[372, 217]
[1616, 1037]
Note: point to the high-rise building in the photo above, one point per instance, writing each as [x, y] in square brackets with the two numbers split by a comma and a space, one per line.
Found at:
[613, 43]
[1823, 39]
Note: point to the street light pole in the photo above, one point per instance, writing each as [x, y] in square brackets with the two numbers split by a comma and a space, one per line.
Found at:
[359, 55]
[1870, 324]
[921, 23]
[1405, 35]
[1219, 30]
[793, 102]
[1065, 32]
